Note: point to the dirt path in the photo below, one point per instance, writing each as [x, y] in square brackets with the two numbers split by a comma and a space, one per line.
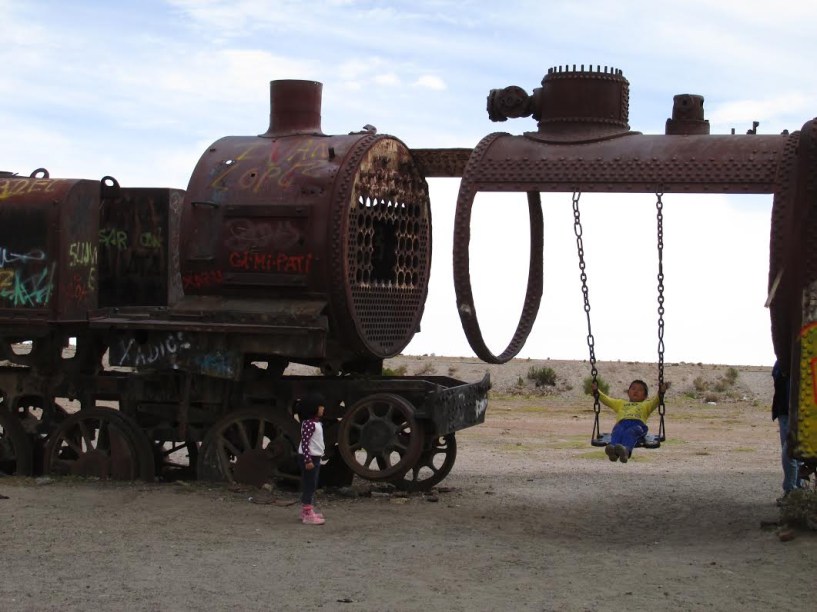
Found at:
[531, 518]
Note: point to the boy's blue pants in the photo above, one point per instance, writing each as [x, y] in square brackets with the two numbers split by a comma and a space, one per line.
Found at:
[791, 467]
[628, 432]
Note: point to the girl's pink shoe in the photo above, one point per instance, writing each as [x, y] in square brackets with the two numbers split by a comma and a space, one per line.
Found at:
[310, 518]
[307, 510]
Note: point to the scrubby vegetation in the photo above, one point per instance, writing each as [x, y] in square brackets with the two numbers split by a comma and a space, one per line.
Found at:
[399, 371]
[718, 389]
[545, 381]
[542, 377]
[427, 369]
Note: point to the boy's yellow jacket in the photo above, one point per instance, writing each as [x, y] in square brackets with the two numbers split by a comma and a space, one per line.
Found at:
[626, 409]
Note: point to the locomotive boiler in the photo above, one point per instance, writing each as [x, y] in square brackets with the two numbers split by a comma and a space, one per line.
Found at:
[186, 309]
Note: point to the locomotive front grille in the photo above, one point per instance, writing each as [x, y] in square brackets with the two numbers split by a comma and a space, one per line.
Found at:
[388, 248]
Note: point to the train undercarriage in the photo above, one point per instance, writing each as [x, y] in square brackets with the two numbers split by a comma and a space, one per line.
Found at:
[69, 412]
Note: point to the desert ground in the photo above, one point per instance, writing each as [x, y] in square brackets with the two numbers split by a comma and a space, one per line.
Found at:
[532, 517]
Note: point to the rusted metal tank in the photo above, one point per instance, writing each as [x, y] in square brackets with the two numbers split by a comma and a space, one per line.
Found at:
[48, 252]
[330, 236]
[68, 246]
[138, 245]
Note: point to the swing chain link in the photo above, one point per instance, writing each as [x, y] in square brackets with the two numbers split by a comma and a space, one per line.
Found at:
[659, 206]
[577, 229]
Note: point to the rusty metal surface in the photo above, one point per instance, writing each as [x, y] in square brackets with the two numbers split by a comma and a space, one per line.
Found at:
[571, 105]
[48, 249]
[462, 279]
[382, 230]
[251, 446]
[380, 438]
[294, 213]
[687, 116]
[295, 108]
[99, 442]
[200, 353]
[630, 163]
[207, 341]
[435, 463]
[441, 162]
[462, 406]
[794, 316]
[583, 142]
[780, 295]
[138, 236]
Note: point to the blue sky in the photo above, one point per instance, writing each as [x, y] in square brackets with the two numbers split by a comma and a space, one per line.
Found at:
[139, 89]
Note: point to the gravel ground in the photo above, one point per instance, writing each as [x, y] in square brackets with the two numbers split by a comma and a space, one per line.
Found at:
[531, 518]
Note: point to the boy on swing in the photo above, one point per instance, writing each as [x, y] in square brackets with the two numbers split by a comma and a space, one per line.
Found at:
[631, 418]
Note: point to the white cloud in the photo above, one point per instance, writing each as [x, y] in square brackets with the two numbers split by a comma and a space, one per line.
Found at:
[388, 79]
[356, 68]
[771, 111]
[429, 81]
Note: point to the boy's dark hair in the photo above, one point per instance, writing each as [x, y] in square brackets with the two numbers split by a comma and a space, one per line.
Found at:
[638, 381]
[307, 406]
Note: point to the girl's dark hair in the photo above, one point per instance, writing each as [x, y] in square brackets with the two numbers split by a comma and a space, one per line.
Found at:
[307, 406]
[638, 381]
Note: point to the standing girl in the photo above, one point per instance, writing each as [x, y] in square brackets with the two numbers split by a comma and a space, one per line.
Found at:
[310, 451]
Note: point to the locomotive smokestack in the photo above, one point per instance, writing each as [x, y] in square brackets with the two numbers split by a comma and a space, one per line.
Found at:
[295, 108]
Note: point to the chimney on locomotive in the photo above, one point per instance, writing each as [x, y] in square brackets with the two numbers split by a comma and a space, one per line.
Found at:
[295, 108]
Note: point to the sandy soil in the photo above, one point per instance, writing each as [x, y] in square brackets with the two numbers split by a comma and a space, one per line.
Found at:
[531, 518]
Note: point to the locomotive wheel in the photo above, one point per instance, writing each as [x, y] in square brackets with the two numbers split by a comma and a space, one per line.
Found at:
[100, 442]
[171, 463]
[16, 454]
[435, 463]
[147, 463]
[251, 446]
[39, 417]
[379, 437]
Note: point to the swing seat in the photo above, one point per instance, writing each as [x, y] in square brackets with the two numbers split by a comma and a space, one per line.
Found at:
[648, 441]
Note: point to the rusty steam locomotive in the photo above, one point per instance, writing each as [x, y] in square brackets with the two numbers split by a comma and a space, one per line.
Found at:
[184, 309]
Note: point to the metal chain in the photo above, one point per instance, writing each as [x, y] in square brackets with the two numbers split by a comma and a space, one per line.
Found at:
[577, 229]
[659, 206]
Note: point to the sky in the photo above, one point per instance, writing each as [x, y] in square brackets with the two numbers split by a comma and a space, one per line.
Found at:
[138, 90]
